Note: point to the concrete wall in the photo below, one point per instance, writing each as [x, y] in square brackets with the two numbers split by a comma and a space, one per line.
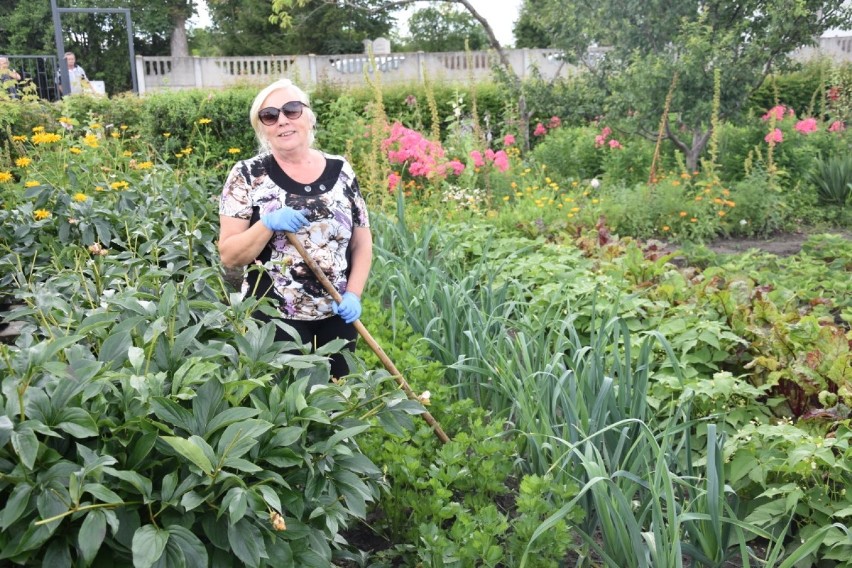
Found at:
[157, 73]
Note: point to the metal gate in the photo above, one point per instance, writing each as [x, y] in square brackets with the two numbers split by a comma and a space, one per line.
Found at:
[38, 72]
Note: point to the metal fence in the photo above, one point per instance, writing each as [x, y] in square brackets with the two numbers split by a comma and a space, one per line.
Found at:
[38, 72]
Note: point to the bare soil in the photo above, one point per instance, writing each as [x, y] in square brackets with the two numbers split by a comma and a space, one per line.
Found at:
[781, 244]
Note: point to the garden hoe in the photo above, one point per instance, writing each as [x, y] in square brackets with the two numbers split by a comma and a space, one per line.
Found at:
[377, 349]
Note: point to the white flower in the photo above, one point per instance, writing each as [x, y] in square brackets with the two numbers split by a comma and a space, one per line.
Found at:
[743, 222]
[595, 183]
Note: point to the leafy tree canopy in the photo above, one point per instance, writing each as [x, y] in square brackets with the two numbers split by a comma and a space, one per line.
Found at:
[444, 28]
[657, 43]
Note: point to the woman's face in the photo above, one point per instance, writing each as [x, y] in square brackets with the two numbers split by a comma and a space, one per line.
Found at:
[286, 135]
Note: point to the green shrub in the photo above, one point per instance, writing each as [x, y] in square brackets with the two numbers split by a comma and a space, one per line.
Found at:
[570, 154]
[832, 178]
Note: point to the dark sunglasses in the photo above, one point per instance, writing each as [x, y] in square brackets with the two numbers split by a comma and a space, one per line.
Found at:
[292, 110]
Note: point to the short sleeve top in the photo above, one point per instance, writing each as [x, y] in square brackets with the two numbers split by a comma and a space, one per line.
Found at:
[333, 205]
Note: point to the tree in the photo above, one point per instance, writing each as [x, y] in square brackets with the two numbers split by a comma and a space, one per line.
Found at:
[529, 31]
[443, 29]
[655, 41]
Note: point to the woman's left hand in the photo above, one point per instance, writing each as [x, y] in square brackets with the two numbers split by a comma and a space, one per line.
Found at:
[349, 307]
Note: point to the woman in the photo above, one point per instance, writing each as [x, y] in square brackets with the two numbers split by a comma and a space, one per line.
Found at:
[292, 187]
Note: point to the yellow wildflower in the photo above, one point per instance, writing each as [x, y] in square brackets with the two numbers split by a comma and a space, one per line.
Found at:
[127, 153]
[166, 134]
[144, 165]
[31, 183]
[81, 197]
[596, 201]
[575, 209]
[75, 150]
[505, 198]
[40, 214]
[23, 162]
[95, 125]
[45, 138]
[38, 129]
[234, 150]
[666, 228]
[91, 141]
[683, 213]
[693, 220]
[19, 138]
[114, 134]
[123, 127]
[721, 213]
[5, 177]
[99, 188]
[119, 185]
[204, 121]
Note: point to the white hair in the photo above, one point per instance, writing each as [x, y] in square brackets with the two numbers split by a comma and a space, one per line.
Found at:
[261, 97]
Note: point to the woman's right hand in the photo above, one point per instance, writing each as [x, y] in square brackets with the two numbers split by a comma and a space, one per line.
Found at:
[284, 219]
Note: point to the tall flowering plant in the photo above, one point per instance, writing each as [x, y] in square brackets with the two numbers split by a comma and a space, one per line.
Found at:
[418, 162]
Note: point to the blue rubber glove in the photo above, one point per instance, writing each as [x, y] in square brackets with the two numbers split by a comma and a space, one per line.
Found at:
[349, 308]
[284, 219]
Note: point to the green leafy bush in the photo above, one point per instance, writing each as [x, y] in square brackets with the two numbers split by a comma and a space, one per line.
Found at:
[832, 178]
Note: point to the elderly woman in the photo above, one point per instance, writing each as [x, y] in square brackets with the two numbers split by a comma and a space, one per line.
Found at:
[292, 187]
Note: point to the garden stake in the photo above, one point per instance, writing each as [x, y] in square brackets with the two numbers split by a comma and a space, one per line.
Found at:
[377, 349]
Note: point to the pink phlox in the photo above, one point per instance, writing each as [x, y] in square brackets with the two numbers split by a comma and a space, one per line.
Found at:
[806, 126]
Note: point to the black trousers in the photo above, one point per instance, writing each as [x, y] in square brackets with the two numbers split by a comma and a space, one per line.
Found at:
[318, 333]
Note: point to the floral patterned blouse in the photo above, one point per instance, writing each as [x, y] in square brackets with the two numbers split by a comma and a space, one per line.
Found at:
[334, 206]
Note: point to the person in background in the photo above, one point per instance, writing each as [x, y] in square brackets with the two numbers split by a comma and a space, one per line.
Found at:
[289, 186]
[76, 76]
[8, 78]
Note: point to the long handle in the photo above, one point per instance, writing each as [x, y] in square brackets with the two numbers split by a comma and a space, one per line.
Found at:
[391, 368]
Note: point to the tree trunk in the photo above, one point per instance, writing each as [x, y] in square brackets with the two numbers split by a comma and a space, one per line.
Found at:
[180, 45]
[691, 153]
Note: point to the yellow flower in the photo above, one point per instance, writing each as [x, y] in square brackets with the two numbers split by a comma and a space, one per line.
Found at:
[730, 203]
[119, 185]
[31, 183]
[234, 150]
[23, 162]
[570, 215]
[144, 165]
[721, 213]
[575, 209]
[514, 185]
[166, 134]
[38, 129]
[505, 198]
[99, 188]
[91, 141]
[115, 134]
[81, 197]
[45, 137]
[666, 228]
[596, 201]
[5, 177]
[204, 121]
[75, 150]
[698, 198]
[95, 125]
[19, 138]
[123, 127]
[575, 183]
[693, 220]
[683, 213]
[684, 175]
[675, 183]
[40, 214]
[187, 150]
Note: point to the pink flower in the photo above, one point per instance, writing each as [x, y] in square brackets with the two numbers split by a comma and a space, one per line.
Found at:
[501, 161]
[540, 130]
[508, 140]
[478, 161]
[806, 126]
[456, 166]
[778, 112]
[393, 181]
[837, 126]
[774, 137]
[614, 144]
[600, 140]
[555, 122]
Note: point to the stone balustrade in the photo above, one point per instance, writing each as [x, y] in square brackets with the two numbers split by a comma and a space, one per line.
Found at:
[157, 73]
